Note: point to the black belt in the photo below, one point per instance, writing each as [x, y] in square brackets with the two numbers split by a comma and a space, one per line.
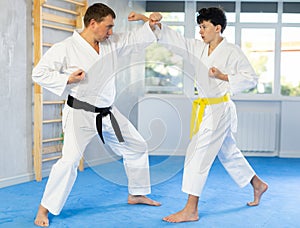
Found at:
[77, 104]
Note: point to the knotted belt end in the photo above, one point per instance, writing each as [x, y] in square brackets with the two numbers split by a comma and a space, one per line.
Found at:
[197, 113]
[102, 112]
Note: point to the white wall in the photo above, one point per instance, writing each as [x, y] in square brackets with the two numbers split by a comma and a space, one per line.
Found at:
[15, 92]
[164, 123]
[289, 129]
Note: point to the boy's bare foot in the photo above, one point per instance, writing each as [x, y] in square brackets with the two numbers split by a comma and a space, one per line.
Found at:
[41, 218]
[142, 200]
[188, 214]
[259, 187]
[182, 216]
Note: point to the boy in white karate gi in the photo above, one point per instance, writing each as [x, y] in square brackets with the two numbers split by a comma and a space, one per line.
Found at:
[83, 67]
[220, 69]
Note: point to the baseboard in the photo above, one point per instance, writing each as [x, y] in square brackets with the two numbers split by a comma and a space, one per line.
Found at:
[168, 153]
[260, 154]
[98, 161]
[6, 182]
[183, 152]
[290, 154]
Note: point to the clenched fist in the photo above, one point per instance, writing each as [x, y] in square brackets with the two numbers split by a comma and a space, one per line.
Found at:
[76, 76]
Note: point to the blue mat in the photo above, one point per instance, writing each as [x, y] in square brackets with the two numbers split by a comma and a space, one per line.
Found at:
[99, 198]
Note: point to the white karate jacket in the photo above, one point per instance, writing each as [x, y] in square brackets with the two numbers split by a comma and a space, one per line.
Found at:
[227, 57]
[74, 53]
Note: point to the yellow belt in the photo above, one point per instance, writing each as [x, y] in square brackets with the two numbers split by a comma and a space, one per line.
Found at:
[196, 111]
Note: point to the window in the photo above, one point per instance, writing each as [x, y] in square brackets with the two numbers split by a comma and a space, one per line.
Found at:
[164, 69]
[259, 12]
[291, 12]
[290, 49]
[290, 55]
[259, 46]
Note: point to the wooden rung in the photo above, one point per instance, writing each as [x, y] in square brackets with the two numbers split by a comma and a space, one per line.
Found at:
[52, 149]
[52, 140]
[58, 19]
[75, 2]
[57, 27]
[52, 121]
[60, 9]
[52, 158]
[53, 102]
[47, 44]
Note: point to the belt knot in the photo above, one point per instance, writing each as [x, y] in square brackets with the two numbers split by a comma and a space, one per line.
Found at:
[102, 112]
[197, 113]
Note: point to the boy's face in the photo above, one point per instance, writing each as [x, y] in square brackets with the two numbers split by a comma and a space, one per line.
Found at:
[208, 31]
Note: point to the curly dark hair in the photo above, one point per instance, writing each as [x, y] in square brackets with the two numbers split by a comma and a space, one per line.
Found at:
[98, 12]
[215, 15]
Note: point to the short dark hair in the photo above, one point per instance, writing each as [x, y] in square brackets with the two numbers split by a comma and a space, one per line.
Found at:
[98, 12]
[215, 15]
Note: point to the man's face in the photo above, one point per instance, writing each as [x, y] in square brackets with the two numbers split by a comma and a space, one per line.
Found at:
[103, 29]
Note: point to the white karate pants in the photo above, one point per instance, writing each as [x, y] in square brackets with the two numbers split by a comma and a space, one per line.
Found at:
[202, 151]
[79, 129]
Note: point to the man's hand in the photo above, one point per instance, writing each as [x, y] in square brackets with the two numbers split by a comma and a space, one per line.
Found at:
[133, 16]
[76, 76]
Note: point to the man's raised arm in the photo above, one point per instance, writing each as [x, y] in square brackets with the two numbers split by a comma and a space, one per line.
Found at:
[154, 19]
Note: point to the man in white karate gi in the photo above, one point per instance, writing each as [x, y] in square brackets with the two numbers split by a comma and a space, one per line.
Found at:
[83, 67]
[220, 69]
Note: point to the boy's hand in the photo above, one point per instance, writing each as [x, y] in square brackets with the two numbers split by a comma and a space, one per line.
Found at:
[216, 73]
[154, 19]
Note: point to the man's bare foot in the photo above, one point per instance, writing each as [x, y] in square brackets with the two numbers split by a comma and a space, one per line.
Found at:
[41, 218]
[142, 200]
[182, 216]
[259, 187]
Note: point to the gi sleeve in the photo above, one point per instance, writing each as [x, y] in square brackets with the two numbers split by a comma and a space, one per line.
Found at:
[189, 49]
[242, 75]
[50, 72]
[134, 41]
